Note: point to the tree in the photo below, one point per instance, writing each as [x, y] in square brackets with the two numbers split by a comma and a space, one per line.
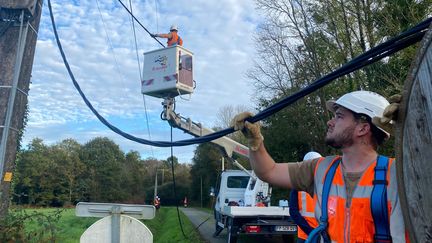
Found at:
[70, 169]
[204, 172]
[135, 176]
[300, 41]
[33, 183]
[171, 161]
[104, 160]
[224, 118]
[68, 172]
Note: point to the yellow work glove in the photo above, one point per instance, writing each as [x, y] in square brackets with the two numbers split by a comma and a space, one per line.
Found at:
[252, 131]
[389, 114]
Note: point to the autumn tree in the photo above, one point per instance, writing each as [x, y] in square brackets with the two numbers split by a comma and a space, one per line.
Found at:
[301, 41]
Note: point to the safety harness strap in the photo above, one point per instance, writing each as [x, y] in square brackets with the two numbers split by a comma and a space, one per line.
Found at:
[378, 201]
[321, 230]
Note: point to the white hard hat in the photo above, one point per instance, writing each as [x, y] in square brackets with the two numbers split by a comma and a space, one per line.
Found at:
[311, 155]
[364, 102]
[173, 27]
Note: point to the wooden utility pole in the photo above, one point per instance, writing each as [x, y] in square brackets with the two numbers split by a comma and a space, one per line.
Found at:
[413, 145]
[19, 23]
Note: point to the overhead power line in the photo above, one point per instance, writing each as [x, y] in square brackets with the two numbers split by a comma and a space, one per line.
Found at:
[124, 6]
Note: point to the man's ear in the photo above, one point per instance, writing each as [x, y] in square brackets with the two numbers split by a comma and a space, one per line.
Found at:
[363, 128]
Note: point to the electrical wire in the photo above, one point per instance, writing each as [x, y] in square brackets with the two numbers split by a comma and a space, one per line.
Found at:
[157, 16]
[385, 49]
[111, 46]
[175, 188]
[140, 75]
[124, 6]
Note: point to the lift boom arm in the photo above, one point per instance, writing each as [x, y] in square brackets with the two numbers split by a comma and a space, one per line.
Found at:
[196, 129]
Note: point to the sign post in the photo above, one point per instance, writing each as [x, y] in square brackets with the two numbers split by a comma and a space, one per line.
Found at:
[119, 222]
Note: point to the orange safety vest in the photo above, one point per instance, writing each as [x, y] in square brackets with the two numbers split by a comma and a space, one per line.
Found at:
[355, 223]
[175, 39]
[306, 209]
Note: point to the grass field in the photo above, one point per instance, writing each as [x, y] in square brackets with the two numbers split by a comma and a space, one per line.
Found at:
[165, 226]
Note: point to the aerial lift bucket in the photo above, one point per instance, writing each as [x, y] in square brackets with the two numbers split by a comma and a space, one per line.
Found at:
[168, 72]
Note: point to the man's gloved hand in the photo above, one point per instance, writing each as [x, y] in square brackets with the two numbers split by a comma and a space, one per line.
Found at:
[252, 131]
[153, 35]
[389, 114]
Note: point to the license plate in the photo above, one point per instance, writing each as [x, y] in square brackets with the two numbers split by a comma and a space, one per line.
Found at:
[285, 228]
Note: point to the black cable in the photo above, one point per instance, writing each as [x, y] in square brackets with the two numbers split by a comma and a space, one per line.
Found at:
[175, 188]
[124, 6]
[385, 49]
[140, 75]
[203, 222]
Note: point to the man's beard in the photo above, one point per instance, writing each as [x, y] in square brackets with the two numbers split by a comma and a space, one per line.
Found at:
[342, 139]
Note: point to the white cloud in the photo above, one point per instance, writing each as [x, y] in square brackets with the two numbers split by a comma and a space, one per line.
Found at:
[219, 33]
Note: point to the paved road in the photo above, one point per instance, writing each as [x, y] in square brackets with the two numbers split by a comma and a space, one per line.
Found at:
[206, 224]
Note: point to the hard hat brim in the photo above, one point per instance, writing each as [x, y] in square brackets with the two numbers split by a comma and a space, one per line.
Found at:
[330, 104]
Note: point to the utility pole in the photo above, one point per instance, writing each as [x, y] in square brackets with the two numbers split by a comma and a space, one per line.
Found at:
[155, 186]
[19, 23]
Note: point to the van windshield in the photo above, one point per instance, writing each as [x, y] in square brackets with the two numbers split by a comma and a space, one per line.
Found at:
[237, 181]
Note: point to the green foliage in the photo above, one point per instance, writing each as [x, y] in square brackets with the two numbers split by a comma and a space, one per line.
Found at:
[204, 173]
[30, 226]
[170, 161]
[68, 172]
[104, 160]
[301, 41]
[53, 225]
[165, 227]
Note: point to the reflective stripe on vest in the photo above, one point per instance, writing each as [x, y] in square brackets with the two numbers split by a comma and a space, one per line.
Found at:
[306, 205]
[354, 223]
[306, 209]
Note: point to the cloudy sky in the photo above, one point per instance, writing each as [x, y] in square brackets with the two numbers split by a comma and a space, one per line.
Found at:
[97, 37]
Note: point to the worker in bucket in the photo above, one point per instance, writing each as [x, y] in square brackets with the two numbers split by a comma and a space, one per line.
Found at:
[172, 36]
[301, 208]
[355, 193]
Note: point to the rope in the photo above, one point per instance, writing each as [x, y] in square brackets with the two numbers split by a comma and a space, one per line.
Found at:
[385, 49]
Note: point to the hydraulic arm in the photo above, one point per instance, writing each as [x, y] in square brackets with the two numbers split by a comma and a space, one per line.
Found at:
[196, 129]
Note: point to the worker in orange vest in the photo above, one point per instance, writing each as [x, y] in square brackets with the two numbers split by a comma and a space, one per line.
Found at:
[172, 36]
[360, 124]
[301, 208]
[157, 202]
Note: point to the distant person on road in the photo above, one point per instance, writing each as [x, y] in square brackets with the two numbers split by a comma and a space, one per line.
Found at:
[172, 36]
[157, 202]
[185, 202]
[301, 208]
